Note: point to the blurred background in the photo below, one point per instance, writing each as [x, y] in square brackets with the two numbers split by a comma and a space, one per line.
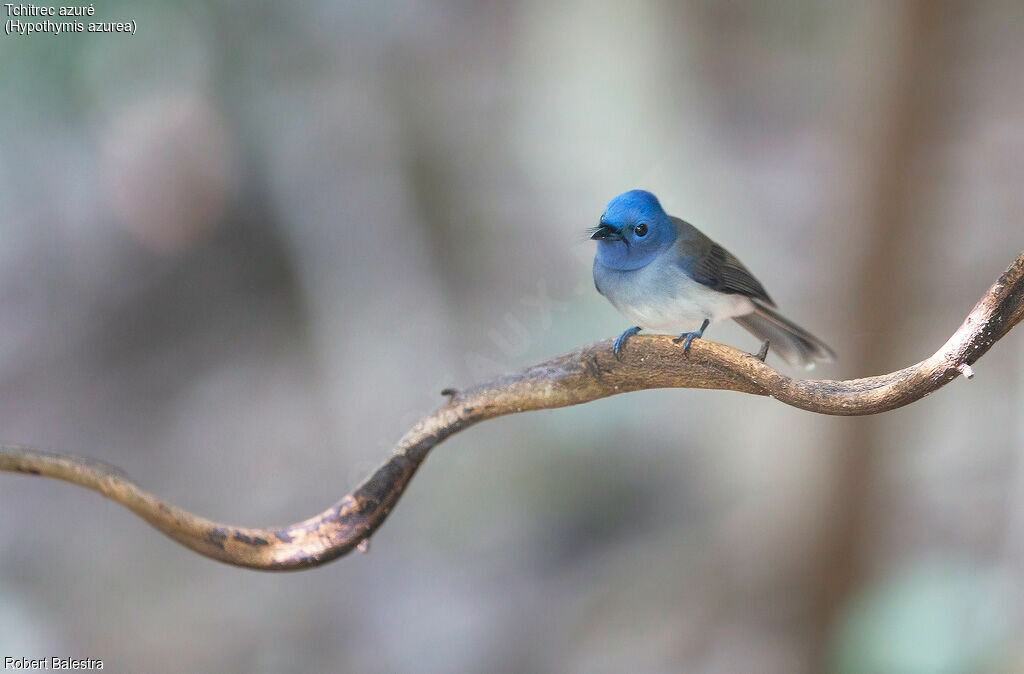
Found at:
[242, 251]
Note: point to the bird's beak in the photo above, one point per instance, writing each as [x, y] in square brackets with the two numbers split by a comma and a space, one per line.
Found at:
[606, 231]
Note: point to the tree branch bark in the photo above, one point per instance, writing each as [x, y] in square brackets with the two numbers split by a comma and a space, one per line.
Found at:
[589, 373]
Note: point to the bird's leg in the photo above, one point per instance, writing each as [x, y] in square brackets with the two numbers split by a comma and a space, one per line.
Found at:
[620, 341]
[762, 353]
[688, 337]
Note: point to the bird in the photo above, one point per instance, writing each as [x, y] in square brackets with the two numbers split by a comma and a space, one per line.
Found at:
[665, 275]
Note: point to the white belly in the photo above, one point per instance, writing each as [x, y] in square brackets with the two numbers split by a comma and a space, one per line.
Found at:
[662, 298]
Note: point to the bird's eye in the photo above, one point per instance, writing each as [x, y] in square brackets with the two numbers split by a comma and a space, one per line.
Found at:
[641, 230]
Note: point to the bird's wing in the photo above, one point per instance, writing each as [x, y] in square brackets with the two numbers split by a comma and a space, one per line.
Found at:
[709, 264]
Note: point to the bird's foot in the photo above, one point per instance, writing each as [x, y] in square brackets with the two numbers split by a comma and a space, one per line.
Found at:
[687, 337]
[620, 341]
[762, 353]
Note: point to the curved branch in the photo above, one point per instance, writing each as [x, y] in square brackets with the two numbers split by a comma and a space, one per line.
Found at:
[589, 373]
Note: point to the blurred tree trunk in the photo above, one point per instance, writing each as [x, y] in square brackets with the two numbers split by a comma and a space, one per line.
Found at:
[897, 138]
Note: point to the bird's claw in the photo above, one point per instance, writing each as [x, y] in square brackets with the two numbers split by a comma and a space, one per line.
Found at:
[687, 337]
[762, 353]
[620, 341]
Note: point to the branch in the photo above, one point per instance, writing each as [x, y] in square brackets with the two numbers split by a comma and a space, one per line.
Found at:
[589, 373]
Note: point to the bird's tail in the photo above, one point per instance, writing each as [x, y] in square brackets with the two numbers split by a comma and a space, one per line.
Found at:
[795, 345]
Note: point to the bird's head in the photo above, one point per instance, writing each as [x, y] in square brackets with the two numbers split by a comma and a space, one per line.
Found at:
[633, 230]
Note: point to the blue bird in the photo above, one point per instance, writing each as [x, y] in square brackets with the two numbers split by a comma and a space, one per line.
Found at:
[665, 275]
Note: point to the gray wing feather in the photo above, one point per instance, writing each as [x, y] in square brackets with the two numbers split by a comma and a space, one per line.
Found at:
[709, 264]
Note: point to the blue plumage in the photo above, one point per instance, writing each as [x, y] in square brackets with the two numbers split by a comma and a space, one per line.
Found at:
[665, 275]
